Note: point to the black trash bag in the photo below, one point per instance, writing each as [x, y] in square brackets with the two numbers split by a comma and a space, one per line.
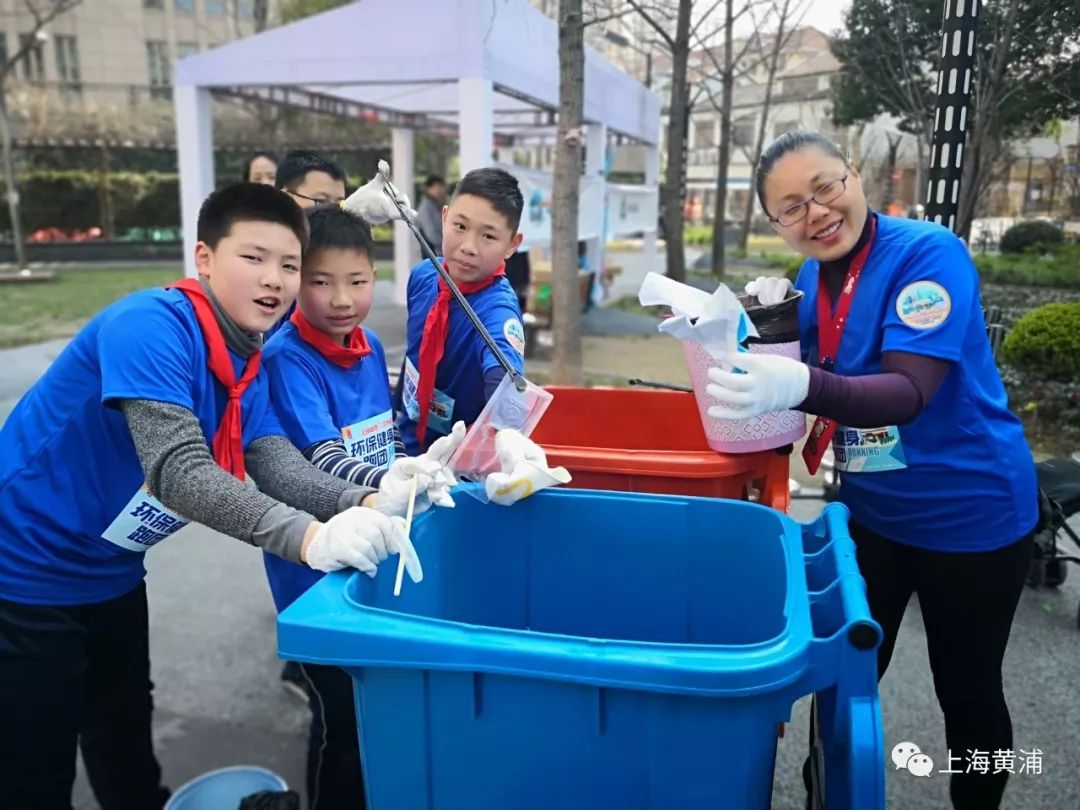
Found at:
[776, 323]
[271, 800]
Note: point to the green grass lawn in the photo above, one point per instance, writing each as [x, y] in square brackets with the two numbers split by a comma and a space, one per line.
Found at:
[34, 312]
[39, 311]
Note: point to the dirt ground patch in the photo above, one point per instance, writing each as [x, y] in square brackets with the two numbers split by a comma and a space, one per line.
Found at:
[614, 360]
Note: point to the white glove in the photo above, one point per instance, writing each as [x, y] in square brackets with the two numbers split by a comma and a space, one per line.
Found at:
[371, 203]
[512, 447]
[434, 478]
[769, 290]
[361, 538]
[396, 486]
[771, 383]
[524, 469]
[443, 447]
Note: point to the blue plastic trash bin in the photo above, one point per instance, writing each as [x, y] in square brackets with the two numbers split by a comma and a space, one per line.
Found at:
[588, 649]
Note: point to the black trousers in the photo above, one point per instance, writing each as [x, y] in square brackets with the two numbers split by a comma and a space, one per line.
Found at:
[334, 777]
[968, 602]
[77, 674]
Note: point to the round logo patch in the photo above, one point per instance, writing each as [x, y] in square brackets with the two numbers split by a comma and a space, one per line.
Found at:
[923, 305]
[514, 333]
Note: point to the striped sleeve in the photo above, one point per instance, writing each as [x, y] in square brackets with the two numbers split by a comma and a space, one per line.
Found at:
[330, 457]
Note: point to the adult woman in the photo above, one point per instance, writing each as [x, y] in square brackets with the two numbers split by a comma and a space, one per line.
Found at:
[261, 168]
[936, 472]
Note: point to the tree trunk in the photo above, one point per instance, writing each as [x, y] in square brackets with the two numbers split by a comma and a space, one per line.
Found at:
[981, 148]
[920, 153]
[260, 13]
[724, 153]
[1025, 203]
[12, 185]
[675, 171]
[565, 306]
[1052, 168]
[888, 185]
[105, 206]
[763, 128]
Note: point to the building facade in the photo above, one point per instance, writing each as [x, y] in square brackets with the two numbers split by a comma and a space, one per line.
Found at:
[103, 69]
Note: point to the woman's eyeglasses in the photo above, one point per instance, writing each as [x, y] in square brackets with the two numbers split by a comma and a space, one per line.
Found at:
[825, 194]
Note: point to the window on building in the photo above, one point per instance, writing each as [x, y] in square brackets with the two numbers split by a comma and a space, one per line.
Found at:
[245, 9]
[784, 126]
[184, 6]
[799, 86]
[3, 48]
[744, 131]
[157, 63]
[33, 60]
[214, 8]
[67, 59]
[186, 49]
[704, 133]
[155, 4]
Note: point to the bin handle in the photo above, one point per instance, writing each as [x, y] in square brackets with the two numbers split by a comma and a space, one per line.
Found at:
[863, 632]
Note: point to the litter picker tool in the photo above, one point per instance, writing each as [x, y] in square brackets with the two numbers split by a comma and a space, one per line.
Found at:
[664, 386]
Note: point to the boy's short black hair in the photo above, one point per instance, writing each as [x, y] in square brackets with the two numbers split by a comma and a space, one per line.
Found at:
[434, 180]
[498, 187]
[294, 167]
[248, 202]
[334, 228]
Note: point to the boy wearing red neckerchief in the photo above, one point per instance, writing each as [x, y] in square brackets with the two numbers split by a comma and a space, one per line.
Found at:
[329, 383]
[449, 372]
[154, 416]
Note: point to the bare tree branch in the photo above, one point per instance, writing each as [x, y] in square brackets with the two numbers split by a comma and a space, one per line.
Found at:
[597, 18]
[704, 17]
[653, 23]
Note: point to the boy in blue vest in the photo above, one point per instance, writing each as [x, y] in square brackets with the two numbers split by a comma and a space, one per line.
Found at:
[151, 418]
[329, 383]
[450, 373]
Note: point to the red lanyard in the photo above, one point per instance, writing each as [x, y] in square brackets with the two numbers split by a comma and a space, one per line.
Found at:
[830, 326]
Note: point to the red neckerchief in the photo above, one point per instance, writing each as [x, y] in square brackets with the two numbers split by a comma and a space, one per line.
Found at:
[830, 326]
[228, 444]
[433, 343]
[332, 350]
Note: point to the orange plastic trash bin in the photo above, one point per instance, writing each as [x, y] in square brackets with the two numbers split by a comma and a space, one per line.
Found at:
[637, 440]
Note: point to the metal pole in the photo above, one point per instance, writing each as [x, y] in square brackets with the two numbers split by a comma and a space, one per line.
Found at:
[955, 81]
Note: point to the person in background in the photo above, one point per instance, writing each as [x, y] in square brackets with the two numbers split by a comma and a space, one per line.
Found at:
[310, 179]
[429, 214]
[262, 169]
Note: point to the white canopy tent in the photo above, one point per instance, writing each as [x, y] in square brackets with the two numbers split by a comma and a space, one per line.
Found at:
[480, 66]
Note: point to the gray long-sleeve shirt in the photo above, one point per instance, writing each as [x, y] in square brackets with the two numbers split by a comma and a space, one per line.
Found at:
[182, 473]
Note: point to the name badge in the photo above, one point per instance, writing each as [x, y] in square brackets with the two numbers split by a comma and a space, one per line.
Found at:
[868, 450]
[371, 440]
[143, 523]
[441, 411]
